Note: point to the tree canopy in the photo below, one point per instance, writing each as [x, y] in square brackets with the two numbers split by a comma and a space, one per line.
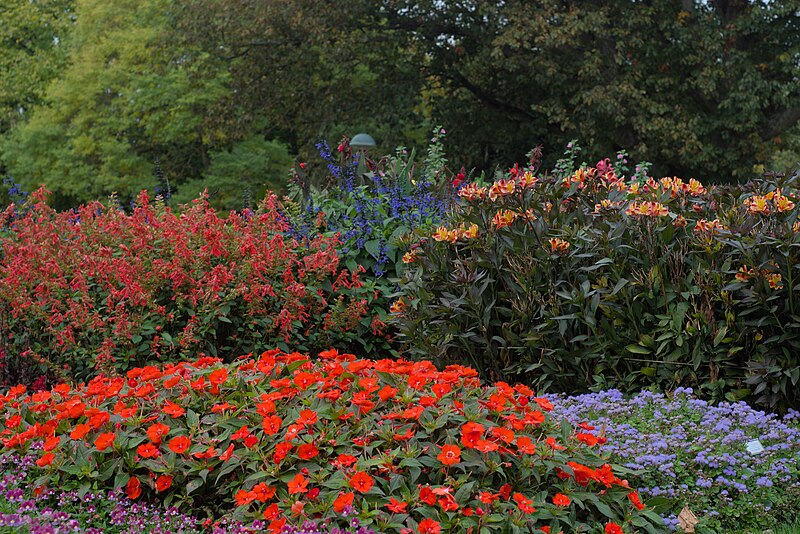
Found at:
[221, 92]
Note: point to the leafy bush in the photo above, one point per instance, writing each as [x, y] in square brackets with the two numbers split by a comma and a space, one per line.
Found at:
[277, 438]
[374, 208]
[96, 288]
[588, 279]
[694, 454]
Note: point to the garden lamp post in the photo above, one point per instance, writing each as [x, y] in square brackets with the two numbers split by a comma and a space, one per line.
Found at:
[361, 143]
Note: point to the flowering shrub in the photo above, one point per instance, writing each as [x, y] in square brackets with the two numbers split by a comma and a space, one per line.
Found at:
[693, 454]
[96, 288]
[588, 278]
[283, 439]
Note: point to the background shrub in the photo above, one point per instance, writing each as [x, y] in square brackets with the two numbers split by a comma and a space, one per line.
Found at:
[96, 287]
[590, 278]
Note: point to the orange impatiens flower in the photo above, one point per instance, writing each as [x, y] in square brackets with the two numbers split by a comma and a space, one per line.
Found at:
[148, 450]
[307, 451]
[561, 500]
[46, 459]
[307, 417]
[429, 526]
[80, 431]
[104, 441]
[343, 501]
[173, 409]
[133, 488]
[450, 455]
[179, 444]
[524, 503]
[299, 484]
[395, 506]
[156, 431]
[271, 425]
[163, 483]
[361, 482]
[635, 500]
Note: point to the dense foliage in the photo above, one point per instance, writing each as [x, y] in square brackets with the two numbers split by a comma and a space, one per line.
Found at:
[97, 288]
[281, 437]
[588, 278]
[219, 92]
[692, 454]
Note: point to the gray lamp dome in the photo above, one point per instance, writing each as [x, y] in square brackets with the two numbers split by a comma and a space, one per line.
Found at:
[362, 140]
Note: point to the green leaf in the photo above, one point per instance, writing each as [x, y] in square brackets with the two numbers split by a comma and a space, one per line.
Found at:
[193, 485]
[637, 349]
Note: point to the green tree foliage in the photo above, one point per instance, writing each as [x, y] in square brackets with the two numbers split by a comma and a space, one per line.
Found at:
[31, 53]
[130, 96]
[699, 88]
[315, 70]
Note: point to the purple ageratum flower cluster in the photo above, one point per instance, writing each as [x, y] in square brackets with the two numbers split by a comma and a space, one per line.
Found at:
[688, 452]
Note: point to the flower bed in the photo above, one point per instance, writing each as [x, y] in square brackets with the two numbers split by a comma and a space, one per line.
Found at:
[283, 439]
[591, 278]
[693, 454]
[100, 289]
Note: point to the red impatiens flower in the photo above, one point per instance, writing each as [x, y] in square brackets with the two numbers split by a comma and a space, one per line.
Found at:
[450, 455]
[133, 488]
[342, 501]
[429, 526]
[613, 528]
[179, 444]
[561, 500]
[345, 460]
[427, 496]
[163, 483]
[525, 445]
[173, 409]
[361, 482]
[104, 441]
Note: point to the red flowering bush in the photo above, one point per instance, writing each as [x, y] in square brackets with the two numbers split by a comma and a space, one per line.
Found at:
[283, 438]
[155, 285]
